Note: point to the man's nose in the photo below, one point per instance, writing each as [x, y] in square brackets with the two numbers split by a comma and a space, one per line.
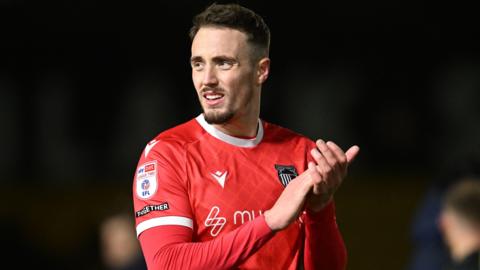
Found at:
[210, 76]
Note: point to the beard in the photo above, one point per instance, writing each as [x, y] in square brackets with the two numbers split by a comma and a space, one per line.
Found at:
[217, 118]
[222, 116]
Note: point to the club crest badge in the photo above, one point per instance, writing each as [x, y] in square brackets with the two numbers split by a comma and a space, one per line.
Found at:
[286, 173]
[146, 180]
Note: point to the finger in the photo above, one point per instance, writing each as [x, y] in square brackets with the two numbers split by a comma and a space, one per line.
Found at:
[322, 165]
[330, 157]
[330, 178]
[316, 177]
[351, 153]
[311, 166]
[316, 189]
[342, 159]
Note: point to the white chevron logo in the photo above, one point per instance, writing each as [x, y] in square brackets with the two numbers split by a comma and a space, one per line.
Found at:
[149, 147]
[220, 177]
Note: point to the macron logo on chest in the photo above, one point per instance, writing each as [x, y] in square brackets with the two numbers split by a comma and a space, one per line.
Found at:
[220, 177]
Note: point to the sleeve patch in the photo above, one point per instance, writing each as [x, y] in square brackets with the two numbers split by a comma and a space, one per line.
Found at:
[146, 180]
[149, 208]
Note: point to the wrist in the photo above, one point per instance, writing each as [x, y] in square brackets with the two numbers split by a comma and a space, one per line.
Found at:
[317, 206]
[270, 220]
[326, 214]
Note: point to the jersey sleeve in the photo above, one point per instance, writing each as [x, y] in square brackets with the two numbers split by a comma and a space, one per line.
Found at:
[324, 247]
[171, 247]
[159, 191]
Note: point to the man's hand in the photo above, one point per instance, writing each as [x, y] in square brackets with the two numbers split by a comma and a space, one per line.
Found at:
[316, 185]
[331, 164]
[291, 201]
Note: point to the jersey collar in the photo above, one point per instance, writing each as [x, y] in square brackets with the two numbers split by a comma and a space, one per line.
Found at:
[230, 139]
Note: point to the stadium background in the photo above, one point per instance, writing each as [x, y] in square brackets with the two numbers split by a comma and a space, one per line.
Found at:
[85, 84]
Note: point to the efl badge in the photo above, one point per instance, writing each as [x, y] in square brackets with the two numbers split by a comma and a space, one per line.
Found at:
[286, 173]
[146, 180]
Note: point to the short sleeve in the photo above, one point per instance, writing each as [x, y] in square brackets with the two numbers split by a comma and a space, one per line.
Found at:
[160, 194]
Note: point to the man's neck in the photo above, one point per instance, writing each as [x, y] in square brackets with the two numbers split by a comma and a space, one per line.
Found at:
[242, 127]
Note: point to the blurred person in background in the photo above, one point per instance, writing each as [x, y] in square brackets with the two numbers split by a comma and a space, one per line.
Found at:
[227, 190]
[460, 224]
[119, 245]
[430, 251]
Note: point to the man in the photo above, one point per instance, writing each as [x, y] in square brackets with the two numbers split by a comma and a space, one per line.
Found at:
[119, 248]
[227, 190]
[460, 224]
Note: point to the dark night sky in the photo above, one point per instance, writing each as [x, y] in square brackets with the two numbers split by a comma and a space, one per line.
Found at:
[69, 69]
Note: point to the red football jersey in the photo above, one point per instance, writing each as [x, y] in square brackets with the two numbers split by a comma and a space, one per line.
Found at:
[197, 177]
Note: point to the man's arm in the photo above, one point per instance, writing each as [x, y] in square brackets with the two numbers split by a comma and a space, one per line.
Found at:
[324, 247]
[171, 247]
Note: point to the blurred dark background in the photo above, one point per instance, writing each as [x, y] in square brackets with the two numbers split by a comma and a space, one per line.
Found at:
[84, 85]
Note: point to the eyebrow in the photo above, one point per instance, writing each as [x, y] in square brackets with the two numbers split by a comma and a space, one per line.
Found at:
[221, 58]
[215, 59]
[196, 59]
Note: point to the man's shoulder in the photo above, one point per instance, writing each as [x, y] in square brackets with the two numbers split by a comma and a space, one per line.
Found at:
[175, 138]
[183, 133]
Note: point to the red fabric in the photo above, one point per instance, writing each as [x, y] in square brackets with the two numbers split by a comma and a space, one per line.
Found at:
[199, 201]
[170, 247]
[324, 247]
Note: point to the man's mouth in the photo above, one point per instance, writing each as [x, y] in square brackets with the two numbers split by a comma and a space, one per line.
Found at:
[213, 98]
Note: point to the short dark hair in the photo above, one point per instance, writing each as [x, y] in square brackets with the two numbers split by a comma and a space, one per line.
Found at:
[463, 198]
[239, 18]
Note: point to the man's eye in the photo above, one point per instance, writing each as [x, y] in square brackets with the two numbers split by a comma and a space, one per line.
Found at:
[225, 64]
[197, 65]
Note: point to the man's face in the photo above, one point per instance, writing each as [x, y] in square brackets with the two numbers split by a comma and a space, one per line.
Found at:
[457, 231]
[223, 73]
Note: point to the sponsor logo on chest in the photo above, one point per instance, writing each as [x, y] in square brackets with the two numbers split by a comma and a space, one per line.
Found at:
[216, 220]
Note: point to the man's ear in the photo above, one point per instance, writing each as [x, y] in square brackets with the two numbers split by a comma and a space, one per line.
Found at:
[263, 70]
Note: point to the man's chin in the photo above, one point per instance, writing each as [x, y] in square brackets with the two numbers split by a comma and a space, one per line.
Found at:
[217, 118]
